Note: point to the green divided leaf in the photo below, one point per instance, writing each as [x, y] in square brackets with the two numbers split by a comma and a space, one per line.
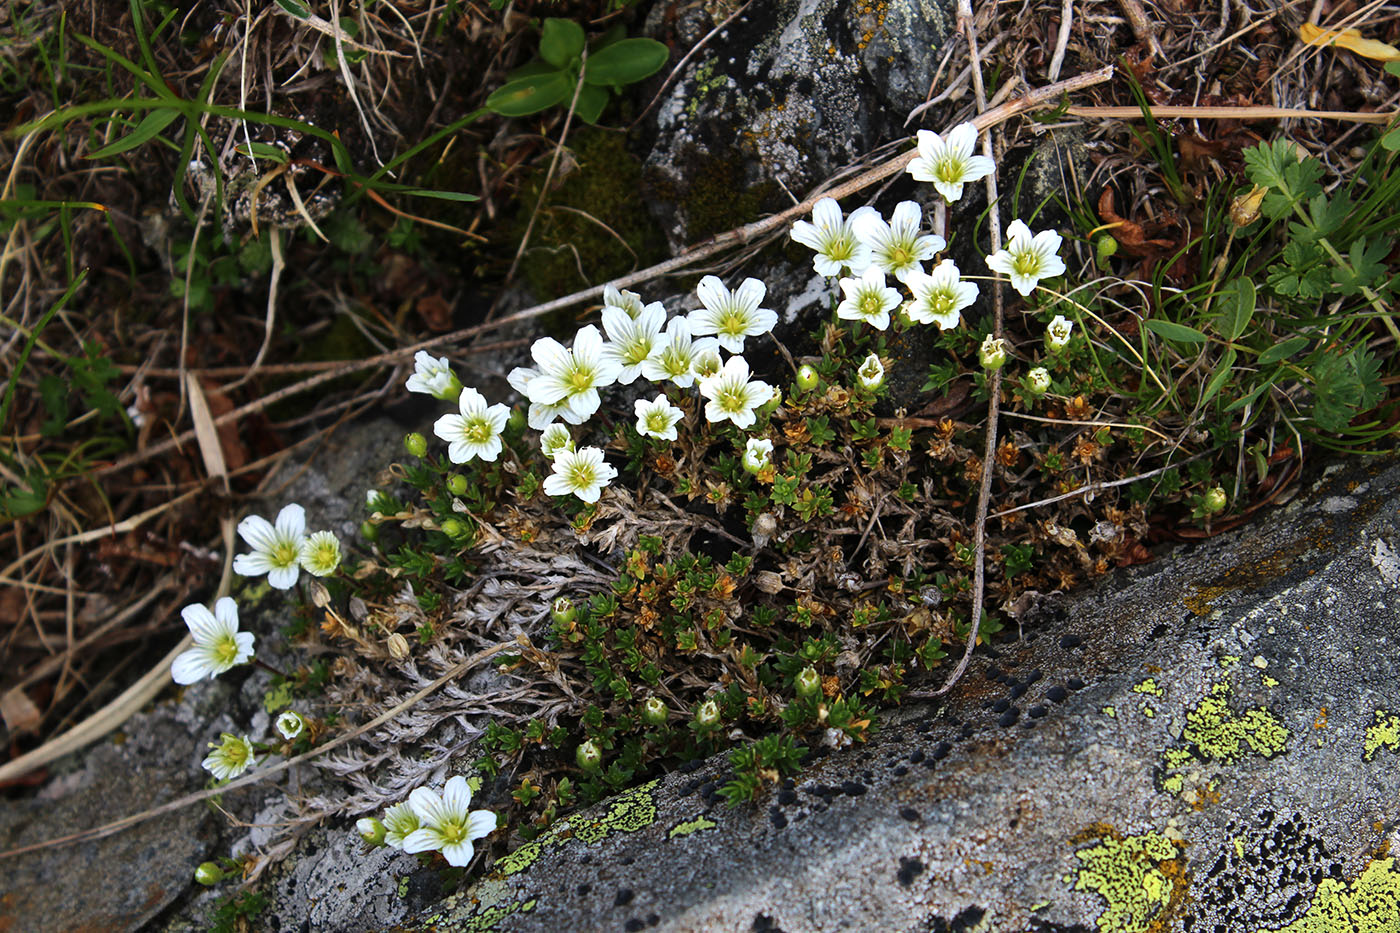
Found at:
[294, 8]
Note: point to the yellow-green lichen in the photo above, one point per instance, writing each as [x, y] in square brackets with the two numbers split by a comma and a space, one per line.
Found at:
[1137, 876]
[629, 811]
[1111, 712]
[1229, 661]
[1219, 733]
[1147, 711]
[1150, 687]
[1269, 681]
[1384, 732]
[691, 826]
[1370, 904]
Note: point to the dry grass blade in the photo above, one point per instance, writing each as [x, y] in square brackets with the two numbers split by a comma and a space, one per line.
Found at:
[1231, 113]
[205, 433]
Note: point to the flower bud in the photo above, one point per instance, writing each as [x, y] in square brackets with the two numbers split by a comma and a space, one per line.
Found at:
[809, 682]
[515, 424]
[208, 874]
[457, 484]
[369, 531]
[1038, 381]
[1057, 333]
[455, 528]
[654, 712]
[758, 453]
[1244, 210]
[1214, 501]
[371, 830]
[806, 378]
[397, 646]
[562, 611]
[871, 374]
[707, 715]
[1104, 248]
[290, 724]
[589, 756]
[416, 444]
[992, 353]
[770, 406]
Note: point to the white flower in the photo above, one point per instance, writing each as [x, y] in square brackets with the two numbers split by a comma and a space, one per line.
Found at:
[555, 438]
[949, 162]
[623, 300]
[673, 356]
[476, 432]
[581, 472]
[758, 454]
[868, 299]
[1027, 258]
[731, 316]
[939, 296]
[572, 375]
[448, 823]
[632, 338]
[732, 395]
[992, 353]
[871, 373]
[1057, 333]
[230, 757]
[290, 724]
[400, 822]
[433, 377]
[276, 548]
[657, 418]
[1038, 380]
[218, 644]
[833, 239]
[707, 361]
[320, 554]
[896, 247]
[540, 416]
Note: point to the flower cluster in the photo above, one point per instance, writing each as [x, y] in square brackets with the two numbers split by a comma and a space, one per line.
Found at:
[430, 821]
[283, 549]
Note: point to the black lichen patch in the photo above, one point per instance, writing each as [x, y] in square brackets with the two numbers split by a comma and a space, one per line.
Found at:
[909, 869]
[1263, 877]
[908, 813]
[965, 920]
[762, 923]
[623, 898]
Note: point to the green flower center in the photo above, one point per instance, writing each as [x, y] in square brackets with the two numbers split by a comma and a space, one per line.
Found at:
[899, 256]
[733, 323]
[477, 432]
[870, 304]
[732, 400]
[840, 248]
[226, 651]
[658, 422]
[581, 476]
[942, 303]
[284, 554]
[580, 380]
[1026, 263]
[452, 832]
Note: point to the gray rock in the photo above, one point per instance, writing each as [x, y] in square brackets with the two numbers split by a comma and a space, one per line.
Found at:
[1205, 744]
[782, 98]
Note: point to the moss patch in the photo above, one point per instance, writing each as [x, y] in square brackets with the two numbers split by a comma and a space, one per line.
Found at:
[1370, 904]
[1384, 732]
[592, 227]
[1137, 876]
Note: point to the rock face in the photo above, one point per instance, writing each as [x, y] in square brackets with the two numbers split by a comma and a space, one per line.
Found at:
[1208, 744]
[781, 98]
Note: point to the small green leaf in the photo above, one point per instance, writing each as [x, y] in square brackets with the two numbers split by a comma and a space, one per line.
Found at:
[145, 131]
[262, 151]
[294, 8]
[441, 195]
[1173, 331]
[1237, 302]
[561, 41]
[1283, 350]
[1223, 369]
[1250, 398]
[530, 95]
[591, 101]
[625, 62]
